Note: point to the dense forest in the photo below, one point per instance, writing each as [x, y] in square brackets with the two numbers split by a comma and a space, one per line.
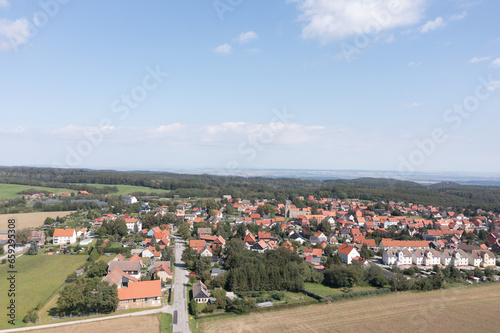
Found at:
[279, 189]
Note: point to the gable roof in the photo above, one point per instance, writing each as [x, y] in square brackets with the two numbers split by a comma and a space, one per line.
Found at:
[141, 289]
[126, 266]
[116, 275]
[345, 249]
[200, 290]
[196, 243]
[64, 232]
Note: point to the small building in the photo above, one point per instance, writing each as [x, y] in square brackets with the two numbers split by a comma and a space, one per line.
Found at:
[163, 273]
[201, 293]
[37, 236]
[348, 253]
[130, 199]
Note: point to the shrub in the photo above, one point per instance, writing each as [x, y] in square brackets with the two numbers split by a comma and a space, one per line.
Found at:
[31, 316]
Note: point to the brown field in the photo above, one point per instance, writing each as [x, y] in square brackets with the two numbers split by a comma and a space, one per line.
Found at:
[29, 220]
[122, 325]
[472, 309]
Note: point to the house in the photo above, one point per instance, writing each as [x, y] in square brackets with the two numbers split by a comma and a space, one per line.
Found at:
[426, 258]
[457, 258]
[260, 246]
[348, 253]
[140, 294]
[163, 273]
[205, 252]
[82, 233]
[196, 244]
[204, 231]
[297, 237]
[132, 268]
[133, 225]
[263, 235]
[200, 292]
[130, 199]
[149, 252]
[119, 278]
[398, 257]
[217, 271]
[37, 236]
[249, 238]
[64, 237]
[482, 258]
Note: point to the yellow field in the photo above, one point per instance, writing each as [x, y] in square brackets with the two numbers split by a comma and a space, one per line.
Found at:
[29, 220]
[472, 309]
[122, 325]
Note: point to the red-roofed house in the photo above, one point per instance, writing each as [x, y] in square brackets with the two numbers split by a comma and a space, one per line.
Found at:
[348, 253]
[163, 273]
[64, 236]
[141, 294]
[264, 235]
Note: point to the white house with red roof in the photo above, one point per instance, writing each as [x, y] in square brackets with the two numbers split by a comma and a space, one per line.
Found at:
[348, 253]
[64, 237]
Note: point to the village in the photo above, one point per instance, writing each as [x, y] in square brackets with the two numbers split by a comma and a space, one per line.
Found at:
[324, 232]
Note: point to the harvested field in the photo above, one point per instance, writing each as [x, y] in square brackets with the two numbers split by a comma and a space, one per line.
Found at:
[468, 309]
[29, 220]
[122, 325]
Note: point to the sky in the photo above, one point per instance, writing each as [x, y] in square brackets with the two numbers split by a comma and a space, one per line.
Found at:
[394, 85]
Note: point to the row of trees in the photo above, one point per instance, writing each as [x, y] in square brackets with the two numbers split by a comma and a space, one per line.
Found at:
[280, 189]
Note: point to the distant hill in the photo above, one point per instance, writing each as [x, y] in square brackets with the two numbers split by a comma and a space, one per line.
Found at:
[187, 185]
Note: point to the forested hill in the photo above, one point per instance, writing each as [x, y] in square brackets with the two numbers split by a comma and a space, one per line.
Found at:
[280, 189]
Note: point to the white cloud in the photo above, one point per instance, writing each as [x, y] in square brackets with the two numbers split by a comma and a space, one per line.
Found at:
[4, 4]
[247, 37]
[13, 33]
[432, 25]
[476, 59]
[495, 63]
[494, 85]
[335, 20]
[413, 63]
[412, 105]
[458, 16]
[223, 49]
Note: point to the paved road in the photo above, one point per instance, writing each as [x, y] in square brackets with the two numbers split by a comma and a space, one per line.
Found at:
[180, 293]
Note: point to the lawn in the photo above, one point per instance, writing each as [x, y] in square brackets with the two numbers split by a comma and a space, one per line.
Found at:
[127, 189]
[327, 291]
[471, 309]
[166, 323]
[37, 278]
[11, 191]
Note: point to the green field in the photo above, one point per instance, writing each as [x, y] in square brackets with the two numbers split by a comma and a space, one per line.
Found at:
[327, 291]
[37, 278]
[11, 191]
[127, 189]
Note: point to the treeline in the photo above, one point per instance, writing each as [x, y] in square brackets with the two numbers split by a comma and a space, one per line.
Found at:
[280, 189]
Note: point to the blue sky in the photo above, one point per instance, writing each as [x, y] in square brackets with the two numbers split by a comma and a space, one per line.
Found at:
[300, 84]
